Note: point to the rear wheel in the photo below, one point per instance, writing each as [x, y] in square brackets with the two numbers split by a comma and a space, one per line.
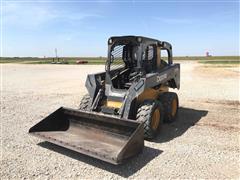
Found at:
[85, 102]
[150, 113]
[170, 103]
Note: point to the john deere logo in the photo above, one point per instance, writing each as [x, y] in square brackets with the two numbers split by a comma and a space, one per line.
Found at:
[160, 78]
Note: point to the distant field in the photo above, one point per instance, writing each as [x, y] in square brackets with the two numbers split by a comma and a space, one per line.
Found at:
[214, 60]
[221, 62]
[65, 60]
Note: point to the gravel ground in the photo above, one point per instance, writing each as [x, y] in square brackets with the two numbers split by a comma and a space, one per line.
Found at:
[202, 143]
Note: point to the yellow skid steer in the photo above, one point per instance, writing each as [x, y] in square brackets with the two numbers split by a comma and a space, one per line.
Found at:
[125, 104]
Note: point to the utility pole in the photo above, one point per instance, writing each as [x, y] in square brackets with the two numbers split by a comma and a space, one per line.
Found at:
[56, 55]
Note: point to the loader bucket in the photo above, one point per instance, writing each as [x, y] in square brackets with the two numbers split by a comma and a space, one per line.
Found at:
[104, 137]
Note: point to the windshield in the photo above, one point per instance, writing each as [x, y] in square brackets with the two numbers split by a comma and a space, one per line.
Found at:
[122, 56]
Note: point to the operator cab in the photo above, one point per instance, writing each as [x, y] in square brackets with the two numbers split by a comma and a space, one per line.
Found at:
[132, 57]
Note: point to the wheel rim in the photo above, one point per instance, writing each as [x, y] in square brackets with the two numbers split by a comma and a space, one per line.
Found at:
[155, 119]
[174, 107]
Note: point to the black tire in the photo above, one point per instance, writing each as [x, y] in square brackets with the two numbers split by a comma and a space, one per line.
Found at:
[85, 102]
[170, 104]
[145, 114]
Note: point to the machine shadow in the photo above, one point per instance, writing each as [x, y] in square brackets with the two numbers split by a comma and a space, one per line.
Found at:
[125, 170]
[187, 118]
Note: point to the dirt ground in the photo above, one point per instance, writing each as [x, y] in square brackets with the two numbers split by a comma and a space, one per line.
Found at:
[202, 143]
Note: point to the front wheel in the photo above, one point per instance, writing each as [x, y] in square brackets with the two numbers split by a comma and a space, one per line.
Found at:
[85, 103]
[150, 113]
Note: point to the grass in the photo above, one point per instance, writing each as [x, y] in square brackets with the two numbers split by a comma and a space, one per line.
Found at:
[213, 60]
[219, 58]
[67, 60]
[224, 62]
[221, 63]
[220, 66]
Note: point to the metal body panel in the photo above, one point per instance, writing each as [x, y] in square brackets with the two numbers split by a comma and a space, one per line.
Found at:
[94, 84]
[104, 137]
[155, 79]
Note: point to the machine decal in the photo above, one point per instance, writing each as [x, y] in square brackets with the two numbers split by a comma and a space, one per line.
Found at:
[160, 78]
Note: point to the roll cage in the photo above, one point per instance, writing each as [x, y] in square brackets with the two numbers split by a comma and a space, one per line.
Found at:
[131, 51]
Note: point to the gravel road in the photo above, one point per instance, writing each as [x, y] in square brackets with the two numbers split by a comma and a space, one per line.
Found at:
[202, 143]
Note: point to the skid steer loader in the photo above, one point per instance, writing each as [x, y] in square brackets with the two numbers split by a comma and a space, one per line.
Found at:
[125, 104]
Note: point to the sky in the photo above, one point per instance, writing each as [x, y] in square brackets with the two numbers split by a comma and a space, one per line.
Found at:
[81, 28]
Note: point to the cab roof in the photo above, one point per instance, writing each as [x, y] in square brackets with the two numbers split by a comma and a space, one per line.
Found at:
[139, 39]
